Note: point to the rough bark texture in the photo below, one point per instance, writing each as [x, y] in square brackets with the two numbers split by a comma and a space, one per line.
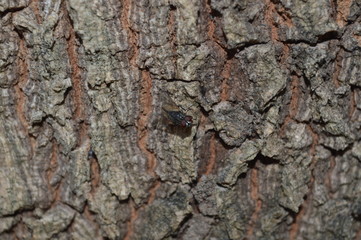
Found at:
[274, 89]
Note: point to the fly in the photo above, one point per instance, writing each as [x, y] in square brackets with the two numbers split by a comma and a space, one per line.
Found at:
[179, 119]
[175, 115]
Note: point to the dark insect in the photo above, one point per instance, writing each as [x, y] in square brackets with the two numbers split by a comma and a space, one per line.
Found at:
[179, 119]
[175, 115]
[91, 154]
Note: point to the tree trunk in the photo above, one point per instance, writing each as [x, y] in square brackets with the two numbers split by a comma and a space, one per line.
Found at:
[88, 149]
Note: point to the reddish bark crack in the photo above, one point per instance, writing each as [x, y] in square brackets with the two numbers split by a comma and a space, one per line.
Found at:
[206, 156]
[294, 97]
[94, 174]
[145, 113]
[270, 18]
[132, 35]
[226, 73]
[212, 155]
[145, 102]
[20, 96]
[295, 226]
[78, 97]
[211, 25]
[293, 105]
[133, 217]
[79, 113]
[342, 11]
[132, 38]
[270, 11]
[258, 203]
[78, 87]
[35, 6]
[337, 69]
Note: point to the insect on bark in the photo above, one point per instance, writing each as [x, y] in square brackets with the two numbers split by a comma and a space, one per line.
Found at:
[175, 116]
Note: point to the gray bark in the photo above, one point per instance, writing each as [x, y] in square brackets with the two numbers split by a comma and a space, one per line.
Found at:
[273, 88]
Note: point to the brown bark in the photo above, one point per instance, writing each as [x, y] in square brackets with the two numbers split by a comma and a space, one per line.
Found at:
[86, 151]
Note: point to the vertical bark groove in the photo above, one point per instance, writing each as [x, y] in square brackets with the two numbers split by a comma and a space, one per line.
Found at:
[273, 89]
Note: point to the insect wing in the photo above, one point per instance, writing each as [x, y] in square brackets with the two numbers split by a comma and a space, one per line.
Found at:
[171, 111]
[173, 114]
[176, 117]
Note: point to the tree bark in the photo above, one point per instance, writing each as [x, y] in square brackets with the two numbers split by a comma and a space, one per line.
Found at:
[87, 151]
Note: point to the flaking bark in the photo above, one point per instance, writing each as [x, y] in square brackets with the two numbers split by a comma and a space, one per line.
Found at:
[273, 88]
